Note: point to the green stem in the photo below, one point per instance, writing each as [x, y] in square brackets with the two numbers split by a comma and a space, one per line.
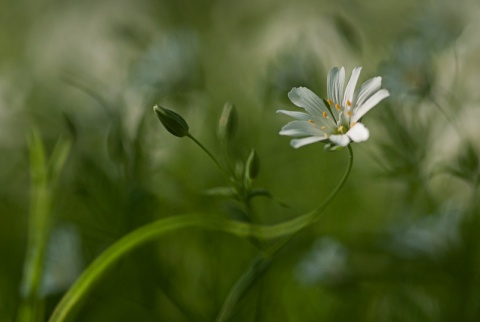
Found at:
[84, 284]
[263, 260]
[224, 172]
[139, 237]
[44, 175]
[450, 117]
[38, 232]
[315, 214]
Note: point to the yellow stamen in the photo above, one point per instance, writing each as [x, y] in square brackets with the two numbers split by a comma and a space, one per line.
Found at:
[323, 127]
[311, 121]
[352, 124]
[349, 103]
[325, 135]
[324, 114]
[349, 113]
[329, 101]
[340, 129]
[337, 106]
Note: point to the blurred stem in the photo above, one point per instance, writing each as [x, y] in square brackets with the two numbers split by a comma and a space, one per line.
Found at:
[231, 179]
[450, 117]
[263, 260]
[43, 178]
[77, 293]
[252, 217]
[100, 266]
[38, 231]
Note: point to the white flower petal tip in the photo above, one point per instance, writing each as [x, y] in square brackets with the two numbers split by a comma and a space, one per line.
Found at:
[336, 124]
[358, 133]
[339, 139]
[298, 143]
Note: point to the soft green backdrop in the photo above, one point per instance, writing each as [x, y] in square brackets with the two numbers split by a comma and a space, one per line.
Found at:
[399, 242]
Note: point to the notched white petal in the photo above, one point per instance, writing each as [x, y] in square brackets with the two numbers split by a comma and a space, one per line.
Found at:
[331, 80]
[297, 115]
[358, 133]
[297, 143]
[367, 89]
[340, 85]
[369, 104]
[339, 139]
[300, 128]
[352, 82]
[303, 97]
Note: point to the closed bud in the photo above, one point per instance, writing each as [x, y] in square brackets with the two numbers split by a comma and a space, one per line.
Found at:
[253, 165]
[227, 125]
[172, 122]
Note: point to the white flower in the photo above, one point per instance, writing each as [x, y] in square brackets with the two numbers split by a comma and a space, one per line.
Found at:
[339, 122]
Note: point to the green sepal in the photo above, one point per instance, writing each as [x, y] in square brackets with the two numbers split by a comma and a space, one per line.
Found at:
[332, 147]
[173, 122]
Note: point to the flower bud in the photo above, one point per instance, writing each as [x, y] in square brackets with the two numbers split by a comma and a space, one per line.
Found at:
[252, 165]
[172, 122]
[227, 125]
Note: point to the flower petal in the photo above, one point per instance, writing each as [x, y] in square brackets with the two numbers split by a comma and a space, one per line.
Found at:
[340, 84]
[335, 83]
[339, 139]
[301, 128]
[303, 97]
[331, 80]
[358, 133]
[352, 82]
[297, 115]
[366, 90]
[297, 143]
[369, 104]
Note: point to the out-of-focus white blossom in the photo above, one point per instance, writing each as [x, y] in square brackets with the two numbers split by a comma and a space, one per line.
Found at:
[432, 236]
[325, 263]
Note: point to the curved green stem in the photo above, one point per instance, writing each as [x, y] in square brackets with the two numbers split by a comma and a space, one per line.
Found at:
[263, 260]
[315, 214]
[147, 233]
[84, 284]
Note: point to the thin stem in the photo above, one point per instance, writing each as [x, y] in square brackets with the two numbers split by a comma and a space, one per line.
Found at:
[449, 117]
[224, 172]
[38, 232]
[72, 300]
[263, 260]
[315, 214]
[79, 290]
[250, 213]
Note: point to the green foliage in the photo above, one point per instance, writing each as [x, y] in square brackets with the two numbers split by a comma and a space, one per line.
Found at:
[237, 226]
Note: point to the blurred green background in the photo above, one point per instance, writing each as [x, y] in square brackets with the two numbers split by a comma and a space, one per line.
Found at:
[400, 241]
